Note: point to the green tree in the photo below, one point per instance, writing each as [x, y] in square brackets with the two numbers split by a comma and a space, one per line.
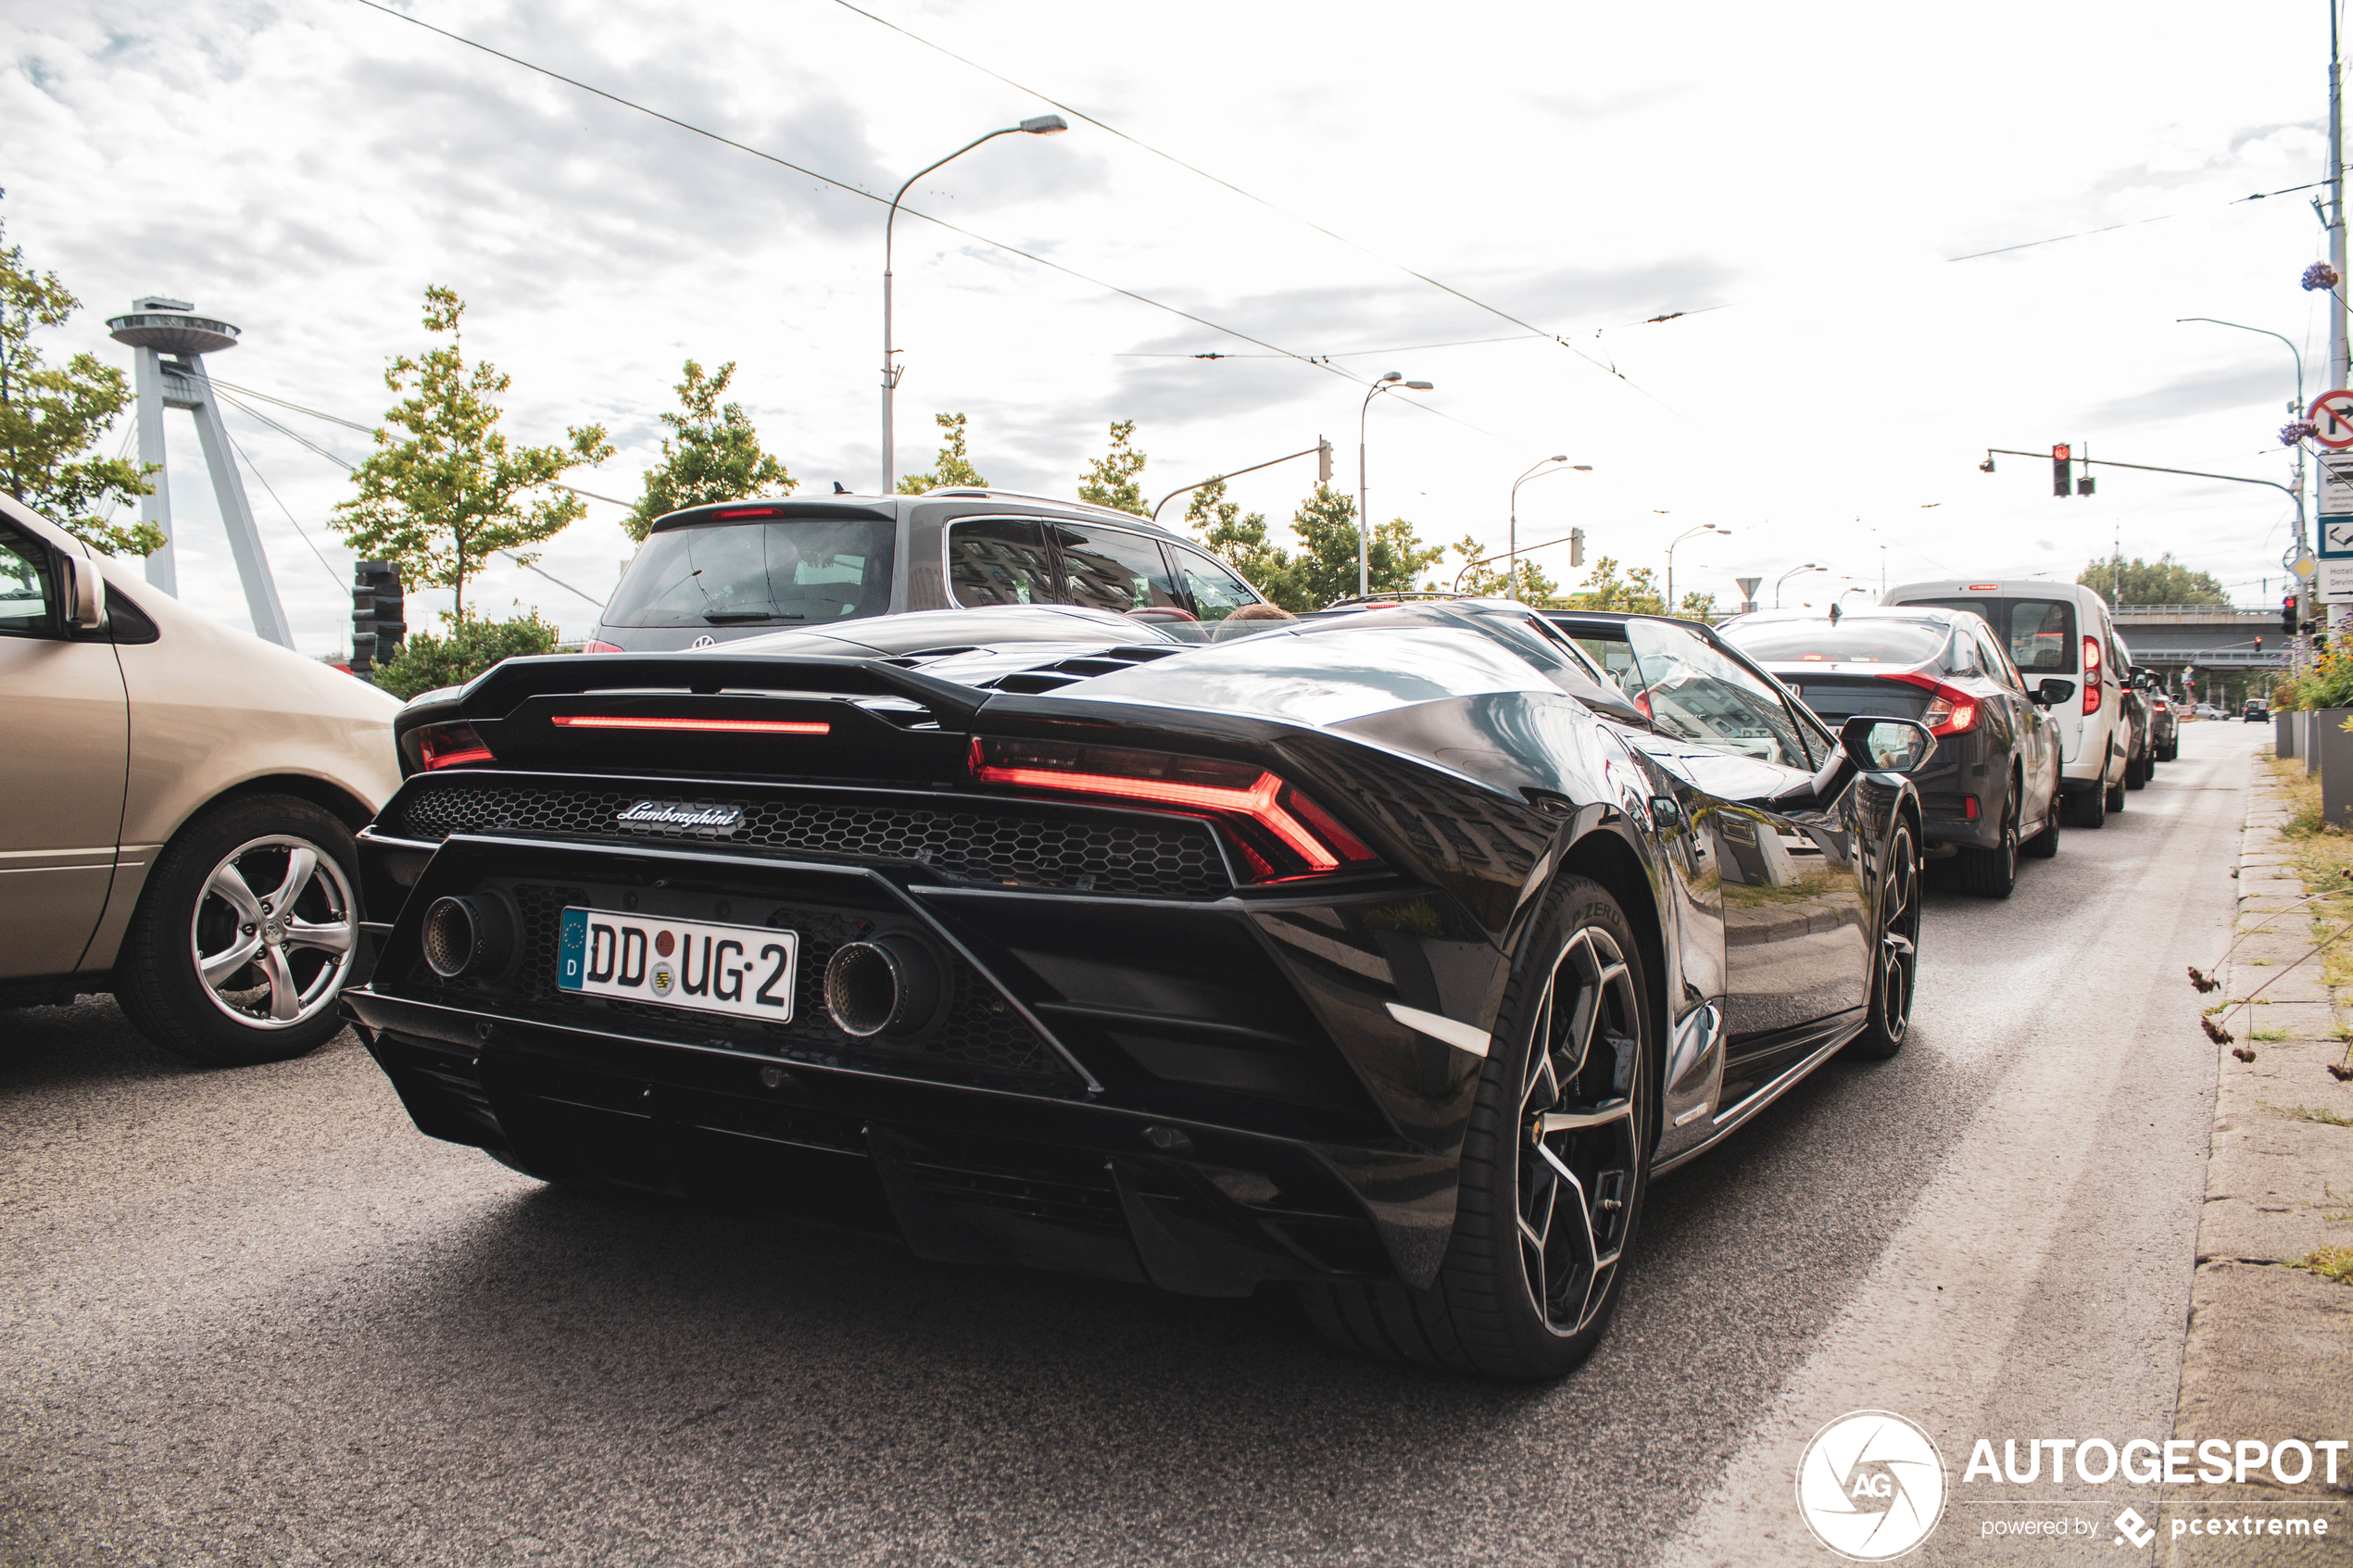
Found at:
[1110, 479]
[1696, 605]
[467, 647]
[2161, 582]
[1489, 581]
[1326, 524]
[1241, 542]
[955, 467]
[1637, 592]
[714, 455]
[441, 501]
[49, 417]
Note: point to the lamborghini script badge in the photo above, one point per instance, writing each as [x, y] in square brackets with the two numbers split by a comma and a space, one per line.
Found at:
[675, 816]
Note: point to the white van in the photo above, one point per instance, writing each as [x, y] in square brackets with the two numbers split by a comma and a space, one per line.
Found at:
[2059, 632]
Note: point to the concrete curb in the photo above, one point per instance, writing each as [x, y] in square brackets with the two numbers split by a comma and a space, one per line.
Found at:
[2270, 1350]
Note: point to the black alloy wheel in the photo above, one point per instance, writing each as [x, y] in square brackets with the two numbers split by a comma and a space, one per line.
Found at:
[1895, 954]
[1553, 1169]
[1990, 873]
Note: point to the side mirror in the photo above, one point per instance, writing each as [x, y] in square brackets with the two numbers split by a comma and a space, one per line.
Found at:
[2051, 692]
[86, 591]
[1866, 744]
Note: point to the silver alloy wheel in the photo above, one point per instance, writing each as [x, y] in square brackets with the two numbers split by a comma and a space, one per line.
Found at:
[275, 958]
[1899, 944]
[1581, 1118]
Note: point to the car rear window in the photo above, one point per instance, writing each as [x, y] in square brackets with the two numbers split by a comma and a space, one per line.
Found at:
[1900, 643]
[2039, 633]
[999, 560]
[797, 571]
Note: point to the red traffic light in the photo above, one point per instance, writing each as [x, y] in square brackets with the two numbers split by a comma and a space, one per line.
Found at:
[2061, 453]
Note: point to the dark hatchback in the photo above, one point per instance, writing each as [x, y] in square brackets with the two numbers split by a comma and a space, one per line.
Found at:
[716, 574]
[1993, 783]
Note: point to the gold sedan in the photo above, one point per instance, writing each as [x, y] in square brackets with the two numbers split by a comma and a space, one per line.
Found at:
[177, 801]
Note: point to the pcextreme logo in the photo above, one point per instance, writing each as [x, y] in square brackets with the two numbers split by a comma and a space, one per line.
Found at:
[1870, 1486]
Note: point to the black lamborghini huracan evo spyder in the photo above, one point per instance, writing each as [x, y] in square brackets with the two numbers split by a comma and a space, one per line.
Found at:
[1385, 953]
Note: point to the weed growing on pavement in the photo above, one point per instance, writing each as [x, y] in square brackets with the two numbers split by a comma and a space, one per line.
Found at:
[2309, 1113]
[2329, 1262]
[2269, 1035]
[2322, 859]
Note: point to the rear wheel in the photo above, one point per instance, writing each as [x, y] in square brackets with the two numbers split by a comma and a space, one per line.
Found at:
[2138, 771]
[2114, 798]
[2045, 844]
[1554, 1170]
[2090, 808]
[1897, 953]
[1990, 873]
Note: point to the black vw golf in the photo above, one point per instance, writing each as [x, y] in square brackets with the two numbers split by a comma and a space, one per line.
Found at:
[1384, 955]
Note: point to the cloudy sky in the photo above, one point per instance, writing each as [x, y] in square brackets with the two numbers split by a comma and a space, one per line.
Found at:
[1795, 180]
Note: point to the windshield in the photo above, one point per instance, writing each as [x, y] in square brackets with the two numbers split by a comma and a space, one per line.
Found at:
[800, 571]
[1852, 641]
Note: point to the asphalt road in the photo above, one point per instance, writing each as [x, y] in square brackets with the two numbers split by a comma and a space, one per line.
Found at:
[253, 1317]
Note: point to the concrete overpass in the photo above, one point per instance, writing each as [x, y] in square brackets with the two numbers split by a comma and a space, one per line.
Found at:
[2217, 637]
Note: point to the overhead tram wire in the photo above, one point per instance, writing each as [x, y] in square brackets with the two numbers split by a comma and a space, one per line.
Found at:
[321, 451]
[1471, 300]
[952, 227]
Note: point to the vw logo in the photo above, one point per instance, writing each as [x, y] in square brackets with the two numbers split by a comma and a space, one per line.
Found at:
[704, 641]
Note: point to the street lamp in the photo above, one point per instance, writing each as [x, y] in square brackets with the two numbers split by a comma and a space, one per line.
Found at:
[1703, 528]
[1511, 581]
[2300, 411]
[1040, 125]
[1364, 518]
[1792, 572]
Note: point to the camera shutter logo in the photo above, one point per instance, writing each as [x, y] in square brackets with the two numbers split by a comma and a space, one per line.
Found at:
[1870, 1486]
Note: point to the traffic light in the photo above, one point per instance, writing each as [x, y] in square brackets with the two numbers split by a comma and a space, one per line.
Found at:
[2287, 615]
[2258, 646]
[1323, 460]
[2062, 482]
[1577, 547]
[2086, 484]
[378, 607]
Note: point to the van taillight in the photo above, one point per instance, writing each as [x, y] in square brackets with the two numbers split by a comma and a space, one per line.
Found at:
[598, 645]
[2091, 675]
[1280, 832]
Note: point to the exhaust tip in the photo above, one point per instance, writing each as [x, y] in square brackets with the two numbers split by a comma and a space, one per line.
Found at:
[471, 936]
[889, 986]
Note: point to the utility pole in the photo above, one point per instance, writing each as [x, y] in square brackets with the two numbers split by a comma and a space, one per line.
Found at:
[2340, 372]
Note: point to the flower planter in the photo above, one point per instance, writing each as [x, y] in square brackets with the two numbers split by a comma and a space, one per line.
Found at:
[2283, 728]
[2332, 748]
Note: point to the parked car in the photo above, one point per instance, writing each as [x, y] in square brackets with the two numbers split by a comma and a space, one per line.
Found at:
[2257, 711]
[181, 801]
[2059, 631]
[1993, 782]
[2165, 717]
[2140, 722]
[718, 573]
[1387, 954]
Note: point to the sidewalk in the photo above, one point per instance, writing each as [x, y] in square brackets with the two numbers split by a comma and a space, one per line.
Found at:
[2269, 1353]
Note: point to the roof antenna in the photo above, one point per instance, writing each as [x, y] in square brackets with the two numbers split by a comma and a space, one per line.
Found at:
[840, 488]
[1833, 612]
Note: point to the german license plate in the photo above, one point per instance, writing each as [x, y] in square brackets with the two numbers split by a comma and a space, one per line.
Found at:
[742, 971]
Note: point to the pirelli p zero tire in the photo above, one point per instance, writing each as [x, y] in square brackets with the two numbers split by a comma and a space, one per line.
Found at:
[1554, 1166]
[1895, 954]
[244, 933]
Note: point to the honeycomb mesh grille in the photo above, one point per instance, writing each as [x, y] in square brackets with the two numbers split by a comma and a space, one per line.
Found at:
[980, 1035]
[1083, 853]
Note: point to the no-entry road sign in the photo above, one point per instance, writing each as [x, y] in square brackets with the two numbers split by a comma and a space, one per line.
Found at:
[2332, 418]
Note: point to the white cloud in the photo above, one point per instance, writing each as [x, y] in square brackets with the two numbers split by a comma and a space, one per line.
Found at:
[307, 171]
